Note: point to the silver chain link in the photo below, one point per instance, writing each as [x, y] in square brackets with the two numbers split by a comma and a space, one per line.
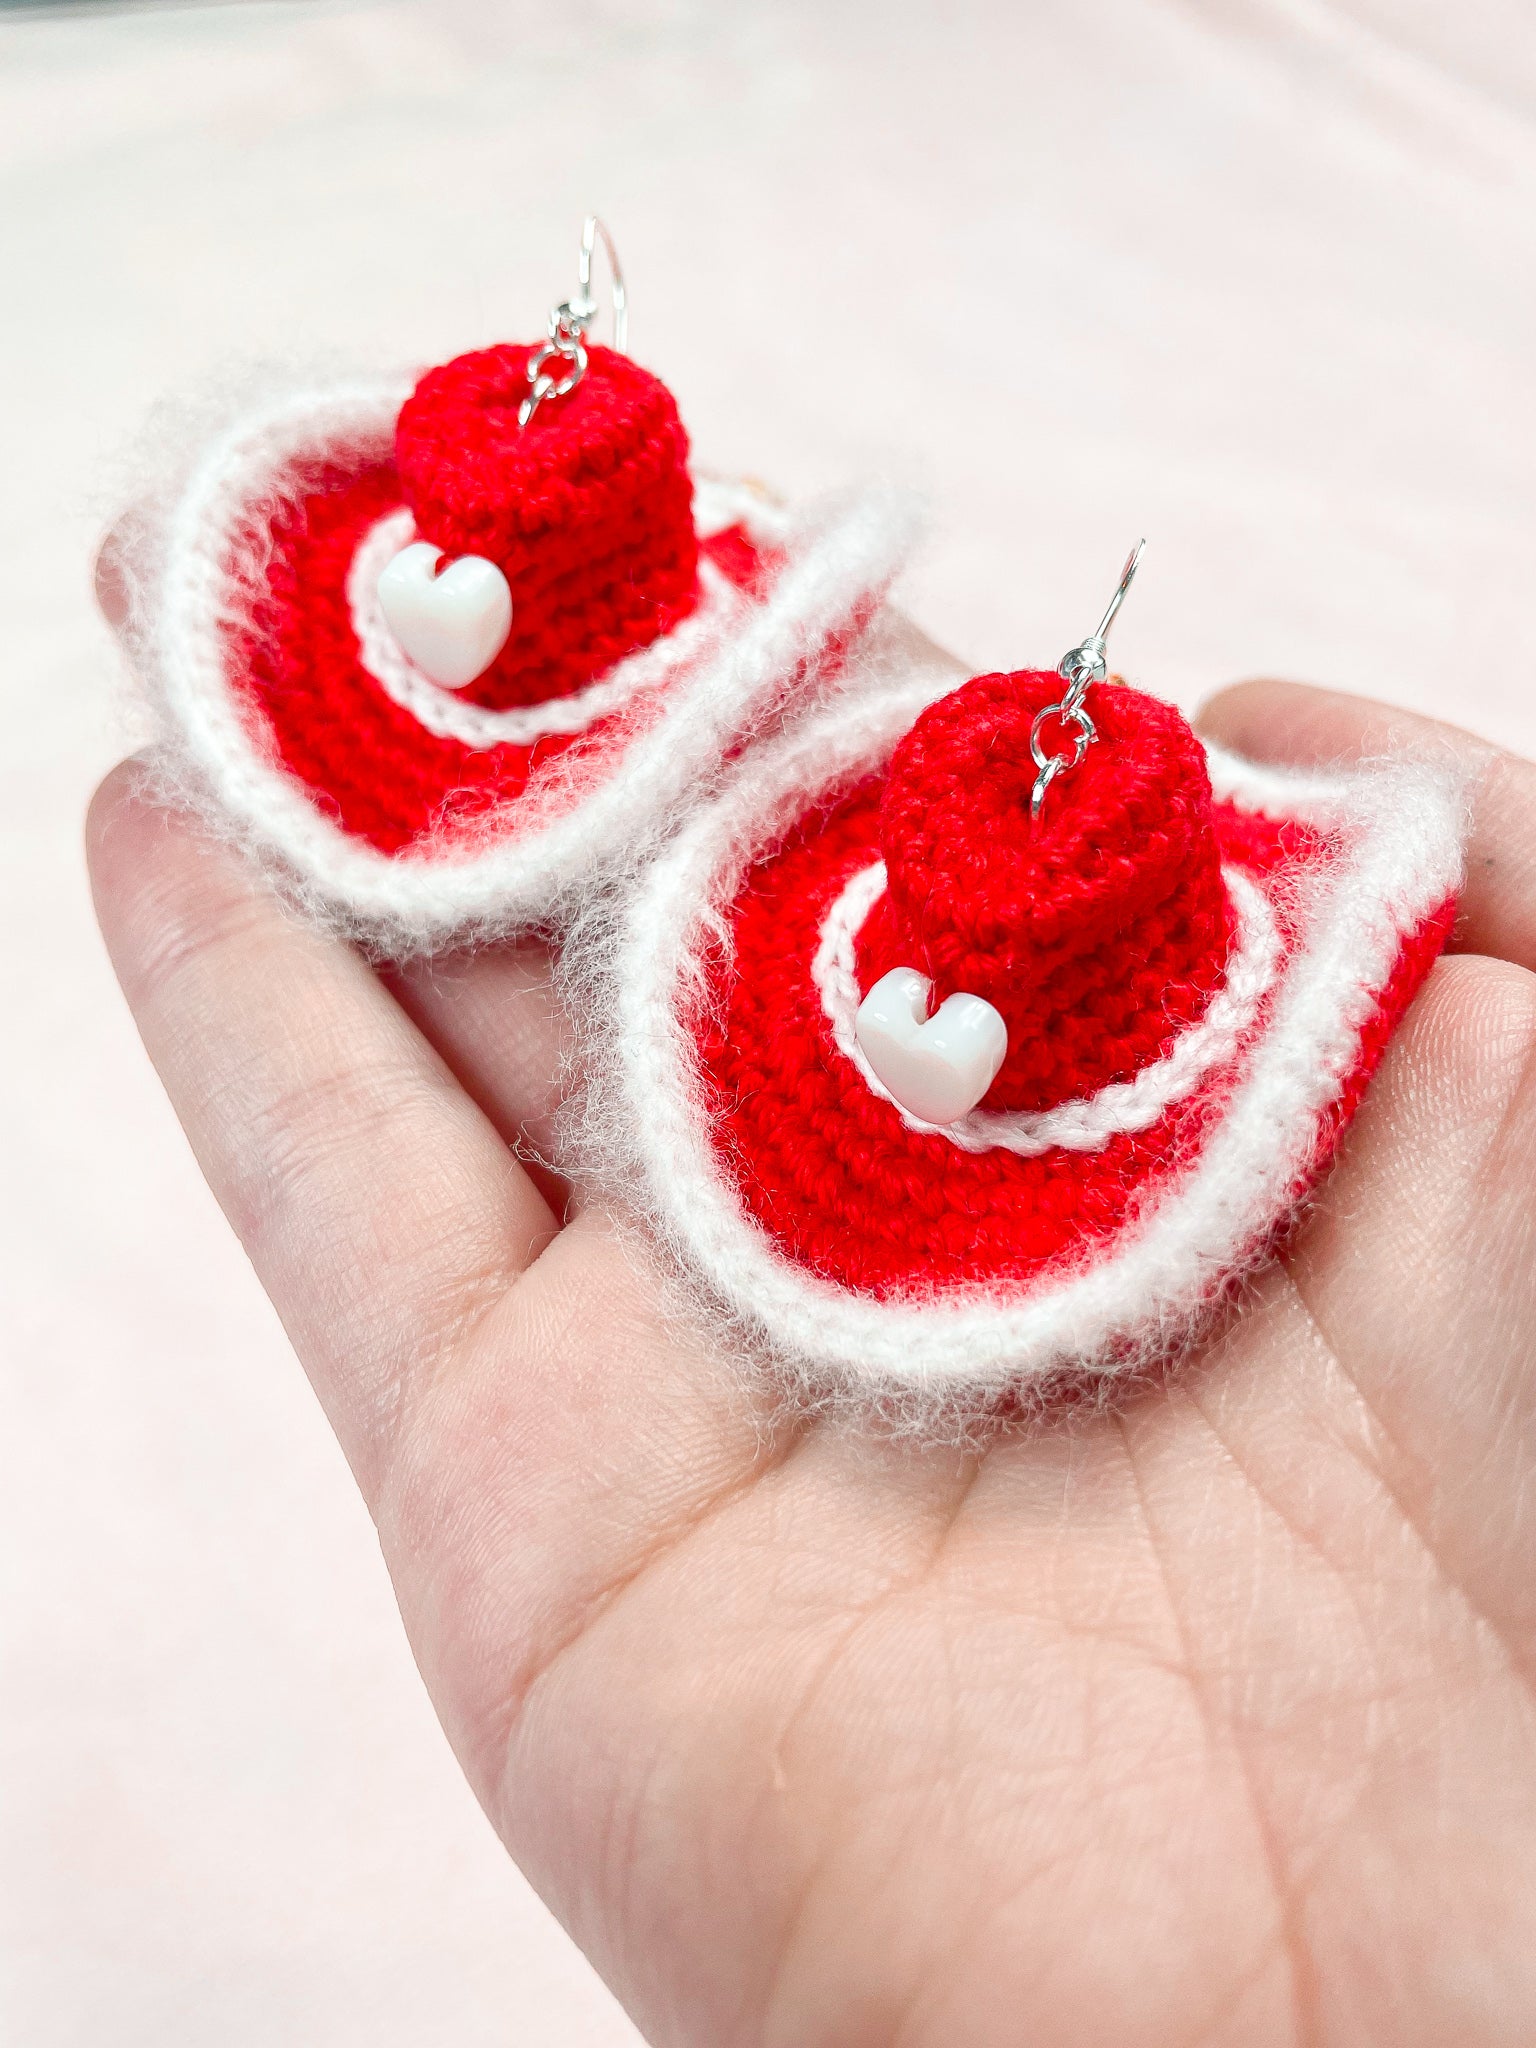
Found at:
[1079, 667]
[569, 324]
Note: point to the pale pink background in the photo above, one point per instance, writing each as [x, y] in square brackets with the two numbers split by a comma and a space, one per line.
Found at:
[1255, 279]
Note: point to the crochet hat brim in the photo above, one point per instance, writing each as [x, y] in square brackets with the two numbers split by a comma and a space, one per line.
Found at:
[413, 816]
[864, 1248]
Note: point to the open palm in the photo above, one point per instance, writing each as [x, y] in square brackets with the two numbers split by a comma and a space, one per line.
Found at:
[1205, 1719]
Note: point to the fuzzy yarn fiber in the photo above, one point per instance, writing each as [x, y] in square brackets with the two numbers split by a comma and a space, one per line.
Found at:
[411, 816]
[1086, 1221]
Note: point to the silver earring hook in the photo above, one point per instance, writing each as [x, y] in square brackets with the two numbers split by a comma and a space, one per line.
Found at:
[591, 230]
[570, 323]
[1127, 578]
[1078, 668]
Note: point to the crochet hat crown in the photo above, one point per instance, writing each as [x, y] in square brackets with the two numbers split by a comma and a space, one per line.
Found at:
[1099, 930]
[587, 511]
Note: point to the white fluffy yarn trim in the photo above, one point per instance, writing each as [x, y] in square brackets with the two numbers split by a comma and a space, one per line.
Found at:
[449, 716]
[840, 557]
[1395, 834]
[1089, 1122]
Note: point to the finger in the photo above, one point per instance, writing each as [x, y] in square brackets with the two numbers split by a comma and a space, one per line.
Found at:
[1416, 1266]
[380, 1209]
[1291, 725]
[492, 1016]
[110, 577]
[122, 559]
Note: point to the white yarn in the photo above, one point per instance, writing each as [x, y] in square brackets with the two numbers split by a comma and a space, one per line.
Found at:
[449, 716]
[1088, 1122]
[1395, 838]
[577, 820]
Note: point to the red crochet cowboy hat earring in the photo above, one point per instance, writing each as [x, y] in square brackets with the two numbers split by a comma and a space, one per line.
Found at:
[973, 1036]
[441, 655]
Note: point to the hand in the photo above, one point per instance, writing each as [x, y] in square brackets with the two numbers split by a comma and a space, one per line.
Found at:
[1208, 1719]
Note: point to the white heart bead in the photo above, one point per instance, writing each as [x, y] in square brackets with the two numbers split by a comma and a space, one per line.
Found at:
[451, 626]
[938, 1068]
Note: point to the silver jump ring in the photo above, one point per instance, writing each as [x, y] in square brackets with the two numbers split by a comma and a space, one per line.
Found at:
[1052, 765]
[570, 321]
[1078, 668]
[1043, 781]
[541, 387]
[1073, 715]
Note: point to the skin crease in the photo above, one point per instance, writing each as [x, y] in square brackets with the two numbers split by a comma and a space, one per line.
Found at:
[1205, 1720]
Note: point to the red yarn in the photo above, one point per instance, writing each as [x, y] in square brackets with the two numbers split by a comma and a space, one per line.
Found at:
[365, 760]
[587, 511]
[831, 1172]
[1100, 930]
